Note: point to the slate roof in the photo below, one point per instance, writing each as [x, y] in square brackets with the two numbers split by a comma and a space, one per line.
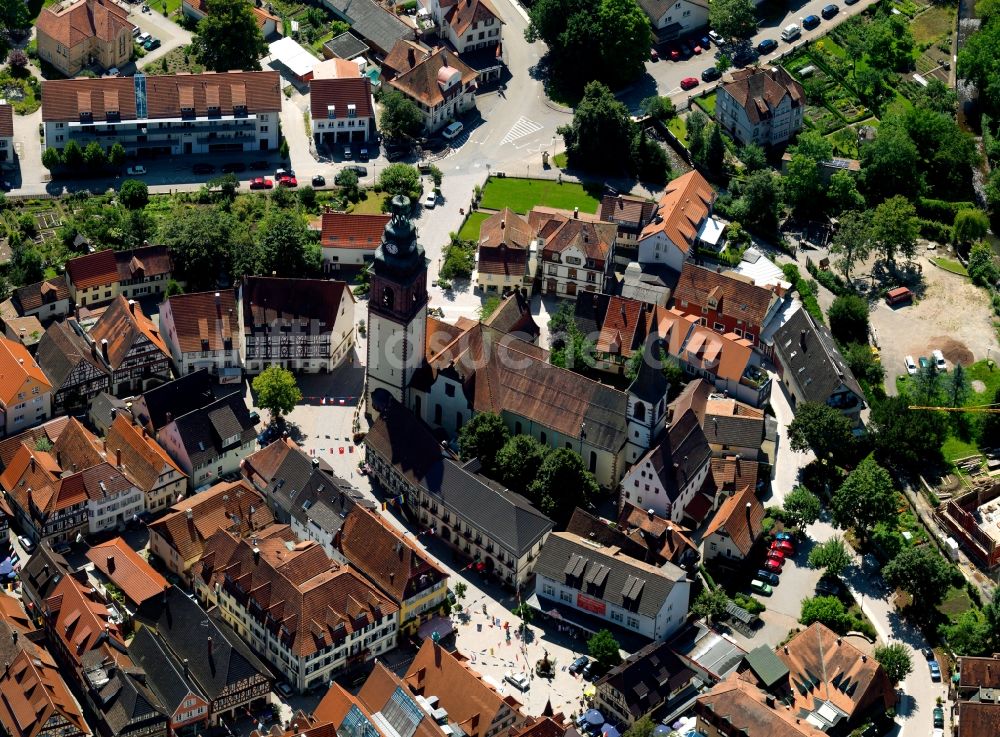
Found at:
[127, 570]
[372, 22]
[269, 301]
[343, 230]
[165, 676]
[346, 46]
[124, 701]
[647, 678]
[759, 90]
[174, 398]
[734, 296]
[808, 352]
[589, 527]
[683, 444]
[83, 20]
[650, 585]
[166, 95]
[732, 423]
[409, 445]
[34, 296]
[42, 572]
[62, 348]
[340, 93]
[739, 518]
[216, 656]
[421, 82]
[204, 431]
[204, 320]
[685, 203]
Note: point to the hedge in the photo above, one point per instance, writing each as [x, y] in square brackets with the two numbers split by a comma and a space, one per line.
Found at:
[941, 210]
[934, 231]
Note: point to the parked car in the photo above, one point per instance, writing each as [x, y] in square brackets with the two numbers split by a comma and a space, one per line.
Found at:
[654, 55]
[716, 38]
[151, 44]
[142, 38]
[430, 200]
[234, 167]
[938, 717]
[689, 83]
[590, 670]
[203, 168]
[136, 31]
[933, 665]
[136, 171]
[829, 11]
[288, 181]
[686, 48]
[578, 665]
[777, 553]
[810, 22]
[766, 46]
[285, 690]
[911, 367]
[850, 2]
[114, 72]
[705, 42]
[710, 75]
[696, 47]
[768, 577]
[363, 153]
[923, 362]
[279, 173]
[261, 183]
[744, 55]
[519, 680]
[774, 564]
[784, 536]
[675, 53]
[928, 653]
[361, 171]
[319, 181]
[785, 545]
[347, 152]
[761, 588]
[27, 543]
[939, 362]
[453, 130]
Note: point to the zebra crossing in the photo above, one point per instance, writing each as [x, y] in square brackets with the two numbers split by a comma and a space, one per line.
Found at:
[523, 127]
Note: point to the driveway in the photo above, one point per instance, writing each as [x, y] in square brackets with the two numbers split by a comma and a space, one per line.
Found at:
[170, 34]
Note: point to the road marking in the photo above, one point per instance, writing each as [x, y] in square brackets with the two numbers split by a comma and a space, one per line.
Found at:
[523, 127]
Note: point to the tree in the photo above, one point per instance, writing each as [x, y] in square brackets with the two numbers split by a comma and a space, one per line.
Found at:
[26, 265]
[307, 198]
[888, 43]
[852, 241]
[734, 20]
[563, 482]
[761, 193]
[842, 193]
[604, 648]
[947, 152]
[969, 635]
[51, 158]
[828, 610]
[347, 180]
[94, 157]
[715, 153]
[753, 157]
[697, 124]
[848, 315]
[803, 183]
[228, 37]
[601, 135]
[864, 365]
[922, 573]
[133, 194]
[658, 108]
[991, 612]
[72, 155]
[889, 165]
[488, 307]
[979, 62]
[483, 437]
[400, 118]
[460, 589]
[116, 156]
[641, 728]
[285, 246]
[822, 429]
[519, 461]
[958, 386]
[277, 391]
[801, 507]
[831, 556]
[906, 440]
[569, 347]
[201, 240]
[866, 498]
[174, 288]
[710, 604]
[603, 40]
[937, 96]
[400, 179]
[927, 383]
[895, 660]
[970, 225]
[894, 229]
[649, 159]
[983, 265]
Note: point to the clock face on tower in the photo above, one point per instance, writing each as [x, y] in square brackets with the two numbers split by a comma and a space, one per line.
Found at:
[391, 247]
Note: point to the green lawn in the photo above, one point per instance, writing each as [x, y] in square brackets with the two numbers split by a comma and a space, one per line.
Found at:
[955, 603]
[678, 126]
[470, 229]
[521, 195]
[949, 265]
[707, 104]
[935, 22]
[371, 205]
[560, 160]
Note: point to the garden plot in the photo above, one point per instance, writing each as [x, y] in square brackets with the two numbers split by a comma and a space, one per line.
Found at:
[830, 104]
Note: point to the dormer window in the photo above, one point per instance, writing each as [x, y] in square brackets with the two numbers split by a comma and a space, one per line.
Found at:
[86, 116]
[352, 110]
[331, 112]
[239, 111]
[214, 111]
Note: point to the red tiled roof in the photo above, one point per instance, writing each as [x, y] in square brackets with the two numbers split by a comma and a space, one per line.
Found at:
[626, 208]
[978, 719]
[737, 705]
[80, 619]
[739, 518]
[683, 206]
[259, 91]
[979, 672]
[560, 232]
[127, 570]
[204, 320]
[49, 431]
[760, 90]
[465, 13]
[340, 93]
[33, 695]
[267, 300]
[506, 227]
[342, 230]
[94, 269]
[625, 327]
[732, 295]
[6, 121]
[503, 260]
[83, 20]
[424, 81]
[123, 324]
[18, 370]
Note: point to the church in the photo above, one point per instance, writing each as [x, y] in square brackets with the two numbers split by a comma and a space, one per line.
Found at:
[445, 373]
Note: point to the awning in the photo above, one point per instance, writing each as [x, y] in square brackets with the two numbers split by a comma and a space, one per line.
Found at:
[711, 231]
[439, 626]
[590, 691]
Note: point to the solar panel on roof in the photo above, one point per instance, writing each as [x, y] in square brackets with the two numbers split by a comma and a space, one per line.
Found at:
[139, 80]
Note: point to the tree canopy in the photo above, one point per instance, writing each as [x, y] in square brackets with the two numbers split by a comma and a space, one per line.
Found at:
[483, 437]
[604, 648]
[895, 660]
[519, 461]
[277, 391]
[866, 498]
[801, 507]
[734, 20]
[848, 316]
[601, 134]
[133, 194]
[922, 573]
[906, 440]
[228, 37]
[822, 429]
[400, 179]
[400, 118]
[563, 483]
[832, 556]
[894, 229]
[285, 246]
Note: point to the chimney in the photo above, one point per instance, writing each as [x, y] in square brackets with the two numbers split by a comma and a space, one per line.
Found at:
[93, 349]
[218, 305]
[188, 513]
[838, 640]
[144, 433]
[503, 224]
[32, 464]
[209, 647]
[169, 417]
[104, 348]
[650, 513]
[118, 457]
[13, 636]
[315, 462]
[770, 700]
[576, 213]
[131, 306]
[864, 658]
[802, 339]
[111, 564]
[256, 555]
[186, 667]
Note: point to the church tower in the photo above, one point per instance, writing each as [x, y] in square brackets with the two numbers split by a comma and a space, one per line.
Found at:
[647, 404]
[397, 308]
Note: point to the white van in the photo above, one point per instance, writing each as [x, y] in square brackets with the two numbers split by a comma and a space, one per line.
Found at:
[453, 130]
[791, 32]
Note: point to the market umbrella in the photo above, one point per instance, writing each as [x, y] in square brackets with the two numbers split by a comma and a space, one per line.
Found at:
[678, 724]
[661, 730]
[609, 731]
[594, 717]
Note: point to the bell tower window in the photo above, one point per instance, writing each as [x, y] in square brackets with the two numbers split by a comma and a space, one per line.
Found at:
[388, 297]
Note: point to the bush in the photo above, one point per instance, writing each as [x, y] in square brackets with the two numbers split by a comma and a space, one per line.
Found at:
[830, 280]
[940, 210]
[749, 603]
[934, 231]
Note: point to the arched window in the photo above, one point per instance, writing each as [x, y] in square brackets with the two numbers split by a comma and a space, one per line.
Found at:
[639, 413]
[388, 297]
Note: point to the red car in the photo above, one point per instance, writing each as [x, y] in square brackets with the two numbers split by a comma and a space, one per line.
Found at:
[689, 83]
[697, 49]
[776, 553]
[774, 565]
[261, 183]
[675, 53]
[288, 182]
[783, 545]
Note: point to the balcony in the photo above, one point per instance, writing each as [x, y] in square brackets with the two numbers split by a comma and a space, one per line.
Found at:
[755, 377]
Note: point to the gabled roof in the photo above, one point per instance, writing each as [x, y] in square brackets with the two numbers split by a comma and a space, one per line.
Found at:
[124, 325]
[6, 121]
[599, 531]
[217, 658]
[734, 423]
[647, 678]
[108, 267]
[81, 619]
[161, 405]
[63, 348]
[206, 433]
[626, 209]
[625, 326]
[506, 227]
[372, 22]
[731, 474]
[17, 369]
[465, 13]
[766, 666]
[683, 206]
[313, 303]
[678, 456]
[343, 230]
[739, 518]
[409, 445]
[123, 699]
[559, 233]
[142, 458]
[513, 317]
[760, 90]
[468, 699]
[127, 570]
[340, 93]
[732, 295]
[80, 21]
[808, 352]
[426, 81]
[33, 695]
[205, 320]
[976, 719]
[609, 574]
[34, 296]
[668, 539]
[740, 705]
[391, 561]
[165, 676]
[979, 672]
[42, 572]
